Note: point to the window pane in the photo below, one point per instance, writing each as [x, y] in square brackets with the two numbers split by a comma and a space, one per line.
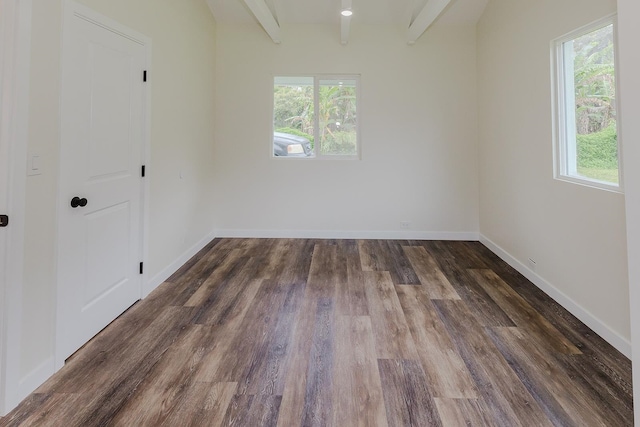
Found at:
[337, 117]
[293, 117]
[592, 150]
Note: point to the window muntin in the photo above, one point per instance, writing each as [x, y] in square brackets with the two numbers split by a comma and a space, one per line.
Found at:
[587, 137]
[332, 133]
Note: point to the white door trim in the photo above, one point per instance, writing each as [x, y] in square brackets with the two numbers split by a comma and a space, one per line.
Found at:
[629, 59]
[15, 43]
[73, 9]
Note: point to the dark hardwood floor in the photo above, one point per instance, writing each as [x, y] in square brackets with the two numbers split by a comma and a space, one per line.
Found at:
[280, 332]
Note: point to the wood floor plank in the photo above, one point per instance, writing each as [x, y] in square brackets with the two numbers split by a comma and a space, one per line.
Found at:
[464, 412]
[483, 308]
[297, 263]
[612, 399]
[192, 280]
[407, 398]
[252, 410]
[358, 398]
[32, 406]
[507, 398]
[235, 268]
[336, 277]
[319, 385]
[399, 266]
[465, 255]
[165, 388]
[431, 277]
[366, 381]
[203, 404]
[357, 296]
[190, 266]
[344, 398]
[550, 386]
[445, 370]
[272, 252]
[293, 397]
[265, 373]
[226, 333]
[392, 336]
[332, 270]
[522, 313]
[52, 409]
[259, 323]
[387, 255]
[371, 257]
[322, 275]
[224, 298]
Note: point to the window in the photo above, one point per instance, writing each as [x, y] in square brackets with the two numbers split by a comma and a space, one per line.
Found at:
[316, 116]
[587, 149]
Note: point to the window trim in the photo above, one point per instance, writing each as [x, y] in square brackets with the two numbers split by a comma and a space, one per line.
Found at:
[561, 147]
[316, 106]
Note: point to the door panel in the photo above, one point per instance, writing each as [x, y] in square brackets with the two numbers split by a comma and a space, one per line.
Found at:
[108, 232]
[101, 154]
[111, 119]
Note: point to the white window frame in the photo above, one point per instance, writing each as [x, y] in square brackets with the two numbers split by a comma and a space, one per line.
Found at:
[316, 116]
[563, 95]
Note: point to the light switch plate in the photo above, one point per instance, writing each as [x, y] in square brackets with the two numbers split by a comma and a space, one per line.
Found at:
[34, 166]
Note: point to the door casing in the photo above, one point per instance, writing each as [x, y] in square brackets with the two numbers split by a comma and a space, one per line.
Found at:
[15, 43]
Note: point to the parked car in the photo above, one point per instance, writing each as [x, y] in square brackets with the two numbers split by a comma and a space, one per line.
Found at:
[287, 145]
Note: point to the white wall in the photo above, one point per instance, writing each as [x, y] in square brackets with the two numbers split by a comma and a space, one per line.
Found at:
[181, 210]
[575, 234]
[418, 132]
[628, 36]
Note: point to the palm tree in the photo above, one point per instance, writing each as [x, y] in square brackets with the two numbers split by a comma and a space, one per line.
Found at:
[594, 81]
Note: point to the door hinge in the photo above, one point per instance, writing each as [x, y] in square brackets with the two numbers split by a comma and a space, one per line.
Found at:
[143, 170]
[141, 267]
[144, 76]
[4, 220]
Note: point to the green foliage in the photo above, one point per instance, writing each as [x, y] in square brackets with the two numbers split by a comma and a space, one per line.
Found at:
[594, 58]
[340, 143]
[606, 175]
[293, 108]
[294, 131]
[598, 150]
[595, 91]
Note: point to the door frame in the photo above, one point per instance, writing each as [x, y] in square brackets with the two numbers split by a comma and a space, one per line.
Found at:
[15, 44]
[73, 9]
[629, 59]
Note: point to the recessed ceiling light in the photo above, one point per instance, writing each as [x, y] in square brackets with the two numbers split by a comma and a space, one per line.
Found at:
[346, 12]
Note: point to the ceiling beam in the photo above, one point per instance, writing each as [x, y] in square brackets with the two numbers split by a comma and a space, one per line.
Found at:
[264, 16]
[345, 23]
[425, 18]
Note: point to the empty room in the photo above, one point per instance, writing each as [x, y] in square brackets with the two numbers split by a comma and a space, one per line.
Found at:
[327, 213]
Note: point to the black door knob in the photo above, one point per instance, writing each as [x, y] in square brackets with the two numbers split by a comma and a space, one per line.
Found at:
[77, 201]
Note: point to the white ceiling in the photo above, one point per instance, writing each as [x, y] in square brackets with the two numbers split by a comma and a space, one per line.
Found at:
[328, 11]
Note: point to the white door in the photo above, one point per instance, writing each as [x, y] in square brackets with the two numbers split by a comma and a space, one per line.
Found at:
[102, 132]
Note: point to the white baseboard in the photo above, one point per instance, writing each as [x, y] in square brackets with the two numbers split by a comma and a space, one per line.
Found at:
[34, 379]
[338, 234]
[620, 343]
[166, 272]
